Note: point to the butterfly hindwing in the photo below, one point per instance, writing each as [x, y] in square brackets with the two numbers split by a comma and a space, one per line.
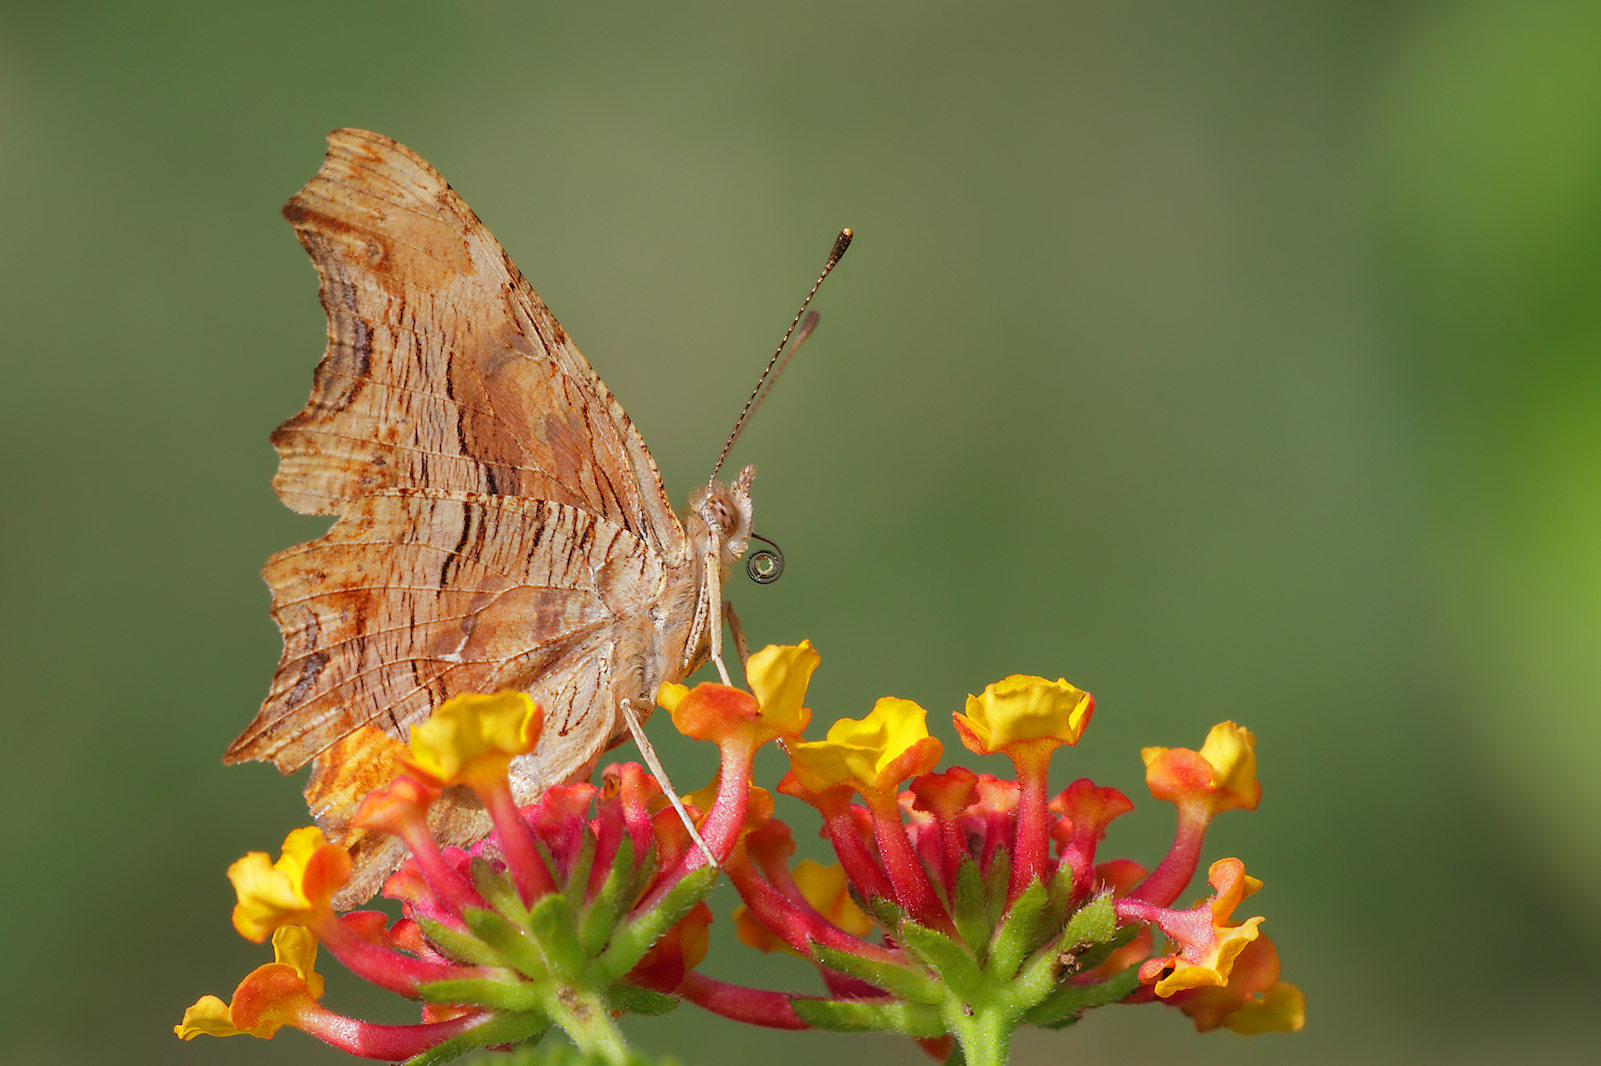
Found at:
[418, 596]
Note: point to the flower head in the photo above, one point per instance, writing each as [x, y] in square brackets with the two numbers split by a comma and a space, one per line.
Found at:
[579, 903]
[272, 996]
[948, 917]
[1085, 810]
[1024, 713]
[870, 755]
[1222, 775]
[397, 807]
[291, 891]
[1253, 1001]
[471, 740]
[1207, 944]
[778, 676]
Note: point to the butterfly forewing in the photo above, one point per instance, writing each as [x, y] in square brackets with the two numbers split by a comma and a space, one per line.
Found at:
[444, 369]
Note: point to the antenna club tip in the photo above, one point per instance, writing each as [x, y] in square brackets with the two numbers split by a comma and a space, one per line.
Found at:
[842, 242]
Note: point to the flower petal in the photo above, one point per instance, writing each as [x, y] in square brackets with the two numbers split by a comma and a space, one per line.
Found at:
[778, 675]
[295, 946]
[208, 1017]
[710, 711]
[1231, 750]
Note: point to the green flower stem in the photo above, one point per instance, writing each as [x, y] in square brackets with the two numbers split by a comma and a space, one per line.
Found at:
[985, 1034]
[586, 1019]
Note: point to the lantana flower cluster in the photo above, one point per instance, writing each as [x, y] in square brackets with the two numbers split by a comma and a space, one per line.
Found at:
[963, 904]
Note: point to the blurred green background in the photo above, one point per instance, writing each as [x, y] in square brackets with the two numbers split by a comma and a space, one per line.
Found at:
[1232, 360]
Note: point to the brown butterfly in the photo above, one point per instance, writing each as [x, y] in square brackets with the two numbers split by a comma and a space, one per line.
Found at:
[499, 521]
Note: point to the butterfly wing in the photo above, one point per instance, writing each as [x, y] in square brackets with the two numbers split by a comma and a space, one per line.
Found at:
[500, 522]
[416, 596]
[444, 369]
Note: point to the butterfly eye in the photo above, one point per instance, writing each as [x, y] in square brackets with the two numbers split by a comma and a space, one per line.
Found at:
[764, 565]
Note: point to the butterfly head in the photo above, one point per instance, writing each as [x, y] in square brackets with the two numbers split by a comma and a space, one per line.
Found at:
[726, 512]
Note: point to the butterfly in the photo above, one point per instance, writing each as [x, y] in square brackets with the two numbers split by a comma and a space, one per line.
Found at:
[499, 522]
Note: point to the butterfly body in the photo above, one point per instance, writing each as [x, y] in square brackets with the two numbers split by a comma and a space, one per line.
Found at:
[499, 522]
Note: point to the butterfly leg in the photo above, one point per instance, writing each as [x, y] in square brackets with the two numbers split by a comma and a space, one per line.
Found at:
[741, 648]
[637, 728]
[713, 604]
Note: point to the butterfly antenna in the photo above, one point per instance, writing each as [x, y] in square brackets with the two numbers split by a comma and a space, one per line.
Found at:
[774, 367]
